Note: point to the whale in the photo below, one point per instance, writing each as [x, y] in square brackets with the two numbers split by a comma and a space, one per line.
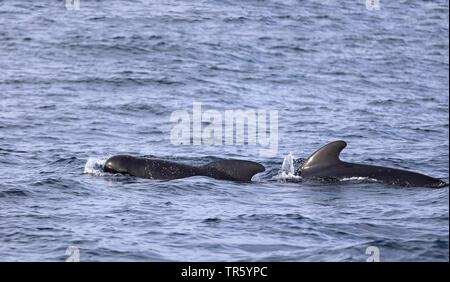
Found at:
[229, 169]
[325, 164]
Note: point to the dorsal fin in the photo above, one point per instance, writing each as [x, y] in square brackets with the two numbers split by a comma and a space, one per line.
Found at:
[325, 156]
[237, 170]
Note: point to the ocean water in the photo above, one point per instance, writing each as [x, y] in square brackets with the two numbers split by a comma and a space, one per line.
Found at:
[78, 86]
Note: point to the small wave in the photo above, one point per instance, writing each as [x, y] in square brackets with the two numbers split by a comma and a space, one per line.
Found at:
[212, 220]
[13, 193]
[258, 177]
[95, 166]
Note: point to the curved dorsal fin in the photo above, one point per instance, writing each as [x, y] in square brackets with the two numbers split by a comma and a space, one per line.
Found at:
[237, 170]
[325, 156]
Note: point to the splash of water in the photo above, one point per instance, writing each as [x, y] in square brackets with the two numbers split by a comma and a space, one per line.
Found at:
[94, 166]
[287, 171]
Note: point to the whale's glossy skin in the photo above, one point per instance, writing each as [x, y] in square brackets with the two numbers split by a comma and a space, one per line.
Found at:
[325, 164]
[235, 170]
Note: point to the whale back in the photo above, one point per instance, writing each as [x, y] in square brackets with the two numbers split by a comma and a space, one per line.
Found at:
[325, 163]
[236, 170]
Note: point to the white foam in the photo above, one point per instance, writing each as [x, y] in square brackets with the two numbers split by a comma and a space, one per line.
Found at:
[287, 171]
[95, 166]
[358, 179]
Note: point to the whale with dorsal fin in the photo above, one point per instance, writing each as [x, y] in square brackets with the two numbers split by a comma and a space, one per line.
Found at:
[235, 170]
[325, 164]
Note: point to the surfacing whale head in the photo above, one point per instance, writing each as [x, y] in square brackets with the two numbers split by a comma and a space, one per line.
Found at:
[118, 164]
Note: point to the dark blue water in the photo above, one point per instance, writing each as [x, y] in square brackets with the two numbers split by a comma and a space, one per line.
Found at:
[79, 86]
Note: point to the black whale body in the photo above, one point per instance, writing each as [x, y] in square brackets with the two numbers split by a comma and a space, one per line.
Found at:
[325, 164]
[322, 164]
[235, 170]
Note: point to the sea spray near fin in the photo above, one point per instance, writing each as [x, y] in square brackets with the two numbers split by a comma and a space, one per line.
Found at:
[287, 170]
[288, 164]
